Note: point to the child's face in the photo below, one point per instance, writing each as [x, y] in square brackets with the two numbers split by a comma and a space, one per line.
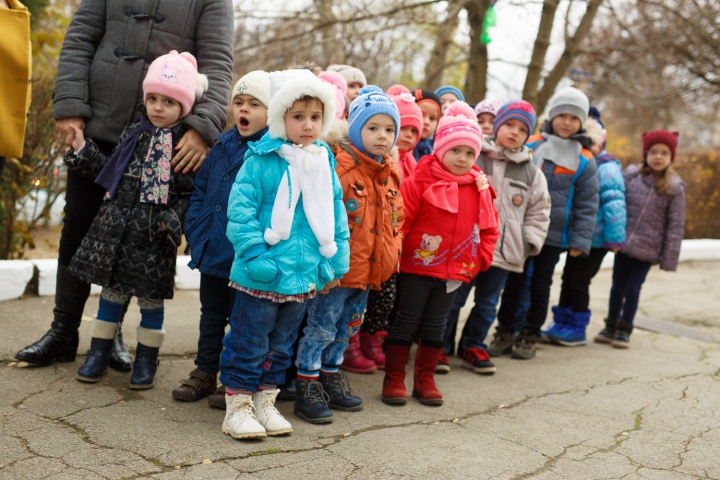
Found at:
[486, 121]
[512, 134]
[430, 119]
[378, 134]
[407, 138]
[162, 111]
[250, 115]
[446, 99]
[566, 125]
[659, 158]
[303, 122]
[459, 160]
[353, 90]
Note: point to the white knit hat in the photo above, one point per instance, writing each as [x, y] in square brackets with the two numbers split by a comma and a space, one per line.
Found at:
[351, 74]
[286, 87]
[255, 84]
[570, 100]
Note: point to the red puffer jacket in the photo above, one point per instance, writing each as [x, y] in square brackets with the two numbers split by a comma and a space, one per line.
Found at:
[439, 243]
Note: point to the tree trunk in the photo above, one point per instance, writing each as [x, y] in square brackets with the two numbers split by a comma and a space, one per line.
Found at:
[475, 81]
[571, 50]
[332, 49]
[537, 61]
[443, 39]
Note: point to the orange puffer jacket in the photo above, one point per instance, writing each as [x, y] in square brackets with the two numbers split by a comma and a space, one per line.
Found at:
[375, 210]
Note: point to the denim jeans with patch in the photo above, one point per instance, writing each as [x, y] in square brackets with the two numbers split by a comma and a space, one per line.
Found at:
[332, 319]
[258, 346]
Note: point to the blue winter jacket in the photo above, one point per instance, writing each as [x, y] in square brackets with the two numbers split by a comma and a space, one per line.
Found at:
[574, 197]
[206, 221]
[612, 212]
[301, 267]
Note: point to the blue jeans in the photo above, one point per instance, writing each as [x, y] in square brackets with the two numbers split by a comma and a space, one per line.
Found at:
[216, 304]
[258, 346]
[488, 285]
[628, 277]
[332, 319]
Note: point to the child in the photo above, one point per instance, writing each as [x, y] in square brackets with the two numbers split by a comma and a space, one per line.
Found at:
[447, 95]
[411, 124]
[485, 112]
[572, 313]
[431, 108]
[355, 79]
[655, 198]
[205, 228]
[572, 179]
[523, 204]
[375, 213]
[131, 247]
[288, 227]
[450, 233]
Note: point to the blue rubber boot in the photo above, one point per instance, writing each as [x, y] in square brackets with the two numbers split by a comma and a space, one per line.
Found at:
[146, 358]
[561, 317]
[573, 334]
[98, 357]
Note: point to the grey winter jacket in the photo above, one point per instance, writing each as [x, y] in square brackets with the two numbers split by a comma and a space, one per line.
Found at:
[523, 205]
[110, 44]
[655, 223]
[575, 197]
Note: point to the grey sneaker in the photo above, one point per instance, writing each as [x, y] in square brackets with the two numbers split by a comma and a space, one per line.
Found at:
[621, 340]
[502, 343]
[524, 346]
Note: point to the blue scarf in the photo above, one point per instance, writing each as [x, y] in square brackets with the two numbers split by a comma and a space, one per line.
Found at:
[156, 170]
[424, 147]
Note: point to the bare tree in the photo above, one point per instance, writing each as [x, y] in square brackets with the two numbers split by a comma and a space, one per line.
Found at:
[476, 79]
[436, 63]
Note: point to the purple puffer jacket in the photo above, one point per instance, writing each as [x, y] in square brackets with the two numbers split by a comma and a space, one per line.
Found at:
[655, 223]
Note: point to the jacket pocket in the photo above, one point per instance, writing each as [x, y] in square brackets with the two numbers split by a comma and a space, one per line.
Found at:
[513, 247]
[355, 205]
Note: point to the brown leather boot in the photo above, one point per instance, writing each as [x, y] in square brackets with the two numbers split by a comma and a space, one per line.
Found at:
[217, 399]
[198, 386]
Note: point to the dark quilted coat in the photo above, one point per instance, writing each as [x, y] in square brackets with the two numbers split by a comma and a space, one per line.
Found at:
[125, 249]
[655, 223]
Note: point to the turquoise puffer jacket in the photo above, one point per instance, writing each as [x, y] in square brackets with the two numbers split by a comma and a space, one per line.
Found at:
[301, 267]
[612, 213]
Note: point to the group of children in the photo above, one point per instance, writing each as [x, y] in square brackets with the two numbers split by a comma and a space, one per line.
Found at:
[367, 217]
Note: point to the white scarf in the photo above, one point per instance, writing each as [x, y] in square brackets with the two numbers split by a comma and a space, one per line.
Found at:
[310, 174]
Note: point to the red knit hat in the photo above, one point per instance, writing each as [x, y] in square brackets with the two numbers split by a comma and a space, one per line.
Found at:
[410, 113]
[660, 136]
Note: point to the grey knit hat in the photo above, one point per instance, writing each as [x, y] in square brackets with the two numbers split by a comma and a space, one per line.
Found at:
[570, 100]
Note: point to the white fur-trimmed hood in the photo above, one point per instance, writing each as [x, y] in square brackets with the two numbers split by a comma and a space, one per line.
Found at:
[288, 86]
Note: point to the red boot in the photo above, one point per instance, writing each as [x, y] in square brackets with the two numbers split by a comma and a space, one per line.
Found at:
[396, 356]
[372, 347]
[424, 389]
[354, 360]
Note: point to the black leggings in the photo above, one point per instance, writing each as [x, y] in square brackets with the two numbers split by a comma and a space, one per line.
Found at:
[381, 307]
[424, 306]
[576, 278]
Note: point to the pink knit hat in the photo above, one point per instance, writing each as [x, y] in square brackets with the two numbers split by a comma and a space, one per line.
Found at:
[340, 88]
[458, 127]
[410, 113]
[397, 89]
[175, 75]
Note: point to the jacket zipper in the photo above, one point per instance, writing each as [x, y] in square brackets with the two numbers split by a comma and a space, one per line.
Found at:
[642, 211]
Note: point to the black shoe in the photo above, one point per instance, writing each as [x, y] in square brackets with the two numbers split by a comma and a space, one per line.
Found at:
[311, 402]
[337, 386]
[61, 341]
[607, 334]
[96, 363]
[120, 358]
[622, 335]
[288, 391]
[477, 360]
[524, 346]
[144, 367]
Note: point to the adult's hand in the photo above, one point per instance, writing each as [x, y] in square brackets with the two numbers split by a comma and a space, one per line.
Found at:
[67, 128]
[192, 150]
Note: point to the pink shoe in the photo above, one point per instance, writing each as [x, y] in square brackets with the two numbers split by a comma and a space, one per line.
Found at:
[354, 360]
[372, 347]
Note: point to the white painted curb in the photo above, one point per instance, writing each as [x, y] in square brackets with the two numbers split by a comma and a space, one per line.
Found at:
[16, 274]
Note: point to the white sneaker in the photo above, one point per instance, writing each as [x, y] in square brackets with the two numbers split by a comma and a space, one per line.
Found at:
[240, 421]
[268, 415]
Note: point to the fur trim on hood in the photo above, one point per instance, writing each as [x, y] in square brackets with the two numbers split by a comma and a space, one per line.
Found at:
[338, 133]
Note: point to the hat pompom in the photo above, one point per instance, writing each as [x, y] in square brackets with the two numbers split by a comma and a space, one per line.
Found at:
[370, 89]
[398, 89]
[460, 109]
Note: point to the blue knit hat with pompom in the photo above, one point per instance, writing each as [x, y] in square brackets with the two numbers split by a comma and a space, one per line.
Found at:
[371, 101]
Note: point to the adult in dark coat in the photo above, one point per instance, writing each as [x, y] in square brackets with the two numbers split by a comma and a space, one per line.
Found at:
[106, 52]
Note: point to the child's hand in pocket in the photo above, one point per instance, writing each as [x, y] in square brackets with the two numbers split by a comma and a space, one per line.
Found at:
[262, 269]
[330, 285]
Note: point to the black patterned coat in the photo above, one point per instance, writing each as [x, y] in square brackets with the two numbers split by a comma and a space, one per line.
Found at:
[125, 248]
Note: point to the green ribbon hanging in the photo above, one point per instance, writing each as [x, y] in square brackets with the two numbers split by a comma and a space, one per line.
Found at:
[489, 22]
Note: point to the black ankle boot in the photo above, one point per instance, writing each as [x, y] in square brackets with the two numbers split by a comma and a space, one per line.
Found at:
[311, 402]
[622, 335]
[607, 334]
[144, 367]
[96, 363]
[337, 386]
[120, 358]
[61, 341]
